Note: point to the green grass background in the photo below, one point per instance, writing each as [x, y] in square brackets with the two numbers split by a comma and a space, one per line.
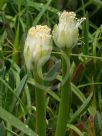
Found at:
[17, 92]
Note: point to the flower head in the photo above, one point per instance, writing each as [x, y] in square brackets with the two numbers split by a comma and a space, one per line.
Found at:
[37, 46]
[65, 34]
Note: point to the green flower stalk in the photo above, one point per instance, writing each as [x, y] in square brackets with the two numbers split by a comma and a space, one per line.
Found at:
[37, 51]
[65, 36]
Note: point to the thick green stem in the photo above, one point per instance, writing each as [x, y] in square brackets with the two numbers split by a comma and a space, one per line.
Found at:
[65, 102]
[40, 107]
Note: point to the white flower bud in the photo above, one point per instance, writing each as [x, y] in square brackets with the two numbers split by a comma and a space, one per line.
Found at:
[38, 46]
[65, 34]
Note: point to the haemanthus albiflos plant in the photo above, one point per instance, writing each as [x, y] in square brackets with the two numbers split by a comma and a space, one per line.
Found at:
[37, 51]
[65, 36]
[38, 47]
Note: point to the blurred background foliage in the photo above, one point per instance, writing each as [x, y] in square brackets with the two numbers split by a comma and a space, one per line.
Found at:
[17, 88]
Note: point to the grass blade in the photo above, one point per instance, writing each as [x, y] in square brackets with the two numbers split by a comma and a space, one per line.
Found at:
[8, 117]
[83, 108]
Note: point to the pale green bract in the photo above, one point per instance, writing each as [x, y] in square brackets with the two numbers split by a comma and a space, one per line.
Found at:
[38, 46]
[65, 34]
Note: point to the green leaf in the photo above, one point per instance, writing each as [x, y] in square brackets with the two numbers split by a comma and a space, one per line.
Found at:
[8, 117]
[53, 72]
[39, 6]
[98, 124]
[75, 129]
[16, 44]
[1, 3]
[2, 129]
[49, 91]
[36, 20]
[18, 91]
[80, 95]
[53, 94]
[98, 2]
[11, 90]
[81, 109]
